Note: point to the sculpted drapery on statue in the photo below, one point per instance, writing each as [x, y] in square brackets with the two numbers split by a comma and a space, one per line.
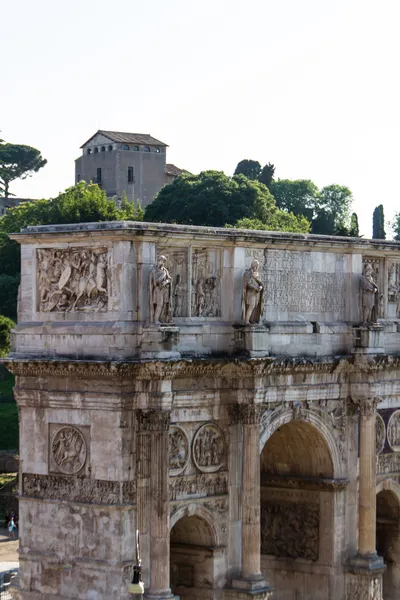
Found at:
[160, 293]
[369, 296]
[252, 295]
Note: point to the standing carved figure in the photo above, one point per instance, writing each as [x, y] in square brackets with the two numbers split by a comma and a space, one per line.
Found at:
[252, 295]
[369, 296]
[160, 292]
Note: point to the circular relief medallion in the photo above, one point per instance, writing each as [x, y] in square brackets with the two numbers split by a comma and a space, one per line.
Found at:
[178, 450]
[208, 448]
[68, 448]
[380, 434]
[393, 431]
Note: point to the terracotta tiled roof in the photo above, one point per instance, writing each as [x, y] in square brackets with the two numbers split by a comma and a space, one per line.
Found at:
[173, 170]
[128, 138]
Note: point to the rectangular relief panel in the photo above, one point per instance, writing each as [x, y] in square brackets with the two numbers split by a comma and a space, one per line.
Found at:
[72, 279]
[378, 274]
[177, 265]
[206, 282]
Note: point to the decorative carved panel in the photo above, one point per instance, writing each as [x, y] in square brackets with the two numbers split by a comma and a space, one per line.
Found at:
[206, 283]
[377, 265]
[380, 434]
[72, 279]
[67, 449]
[393, 431]
[179, 450]
[178, 270]
[198, 486]
[290, 529]
[78, 489]
[208, 448]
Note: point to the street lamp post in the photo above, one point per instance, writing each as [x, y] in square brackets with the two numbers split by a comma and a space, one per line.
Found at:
[136, 588]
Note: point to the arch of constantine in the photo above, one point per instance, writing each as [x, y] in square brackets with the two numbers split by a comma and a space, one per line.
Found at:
[233, 395]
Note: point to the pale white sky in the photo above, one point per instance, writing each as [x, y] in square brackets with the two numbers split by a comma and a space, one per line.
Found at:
[309, 85]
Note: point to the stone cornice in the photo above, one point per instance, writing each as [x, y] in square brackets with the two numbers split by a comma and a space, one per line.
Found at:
[183, 368]
[304, 483]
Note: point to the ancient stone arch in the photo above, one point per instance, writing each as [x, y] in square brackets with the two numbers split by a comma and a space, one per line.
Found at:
[191, 510]
[274, 420]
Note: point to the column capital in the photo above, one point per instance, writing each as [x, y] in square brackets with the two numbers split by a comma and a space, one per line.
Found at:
[247, 414]
[153, 421]
[366, 406]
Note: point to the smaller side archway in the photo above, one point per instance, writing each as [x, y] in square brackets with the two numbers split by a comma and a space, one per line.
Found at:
[388, 535]
[194, 554]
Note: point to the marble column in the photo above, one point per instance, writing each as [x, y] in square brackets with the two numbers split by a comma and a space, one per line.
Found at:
[251, 579]
[365, 576]
[155, 424]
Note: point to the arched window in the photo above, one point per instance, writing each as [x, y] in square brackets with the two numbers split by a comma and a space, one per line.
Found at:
[135, 148]
[146, 149]
[89, 151]
[125, 147]
[96, 150]
[157, 149]
[103, 148]
[109, 148]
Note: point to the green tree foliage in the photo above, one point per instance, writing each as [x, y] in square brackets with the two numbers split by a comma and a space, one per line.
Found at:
[354, 228]
[18, 162]
[327, 209]
[378, 224]
[277, 221]
[267, 174]
[212, 198]
[9, 285]
[5, 328]
[249, 168]
[300, 196]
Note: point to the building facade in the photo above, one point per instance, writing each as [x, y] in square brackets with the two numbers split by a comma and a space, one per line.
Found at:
[126, 163]
[232, 395]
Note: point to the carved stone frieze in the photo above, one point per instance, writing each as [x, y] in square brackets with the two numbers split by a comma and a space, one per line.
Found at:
[361, 587]
[208, 448]
[290, 529]
[178, 270]
[206, 283]
[388, 463]
[68, 450]
[157, 370]
[179, 450]
[153, 421]
[78, 489]
[380, 429]
[72, 279]
[393, 431]
[198, 486]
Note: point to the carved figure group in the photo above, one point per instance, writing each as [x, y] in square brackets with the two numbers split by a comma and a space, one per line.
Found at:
[160, 293]
[208, 448]
[178, 450]
[290, 529]
[206, 297]
[69, 449]
[369, 296]
[74, 279]
[252, 295]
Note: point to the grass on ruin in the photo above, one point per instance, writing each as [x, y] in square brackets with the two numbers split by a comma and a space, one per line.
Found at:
[6, 478]
[9, 434]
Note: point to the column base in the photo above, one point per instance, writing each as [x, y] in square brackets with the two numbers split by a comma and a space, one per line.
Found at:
[161, 596]
[364, 577]
[242, 589]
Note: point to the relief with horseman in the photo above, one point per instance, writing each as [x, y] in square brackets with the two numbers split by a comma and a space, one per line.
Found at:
[72, 279]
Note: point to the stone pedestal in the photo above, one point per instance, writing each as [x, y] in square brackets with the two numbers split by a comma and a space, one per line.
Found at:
[252, 340]
[160, 341]
[369, 339]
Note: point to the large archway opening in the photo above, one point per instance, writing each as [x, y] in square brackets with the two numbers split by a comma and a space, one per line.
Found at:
[388, 541]
[297, 512]
[193, 546]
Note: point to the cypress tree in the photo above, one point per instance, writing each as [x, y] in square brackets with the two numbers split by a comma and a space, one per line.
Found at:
[378, 224]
